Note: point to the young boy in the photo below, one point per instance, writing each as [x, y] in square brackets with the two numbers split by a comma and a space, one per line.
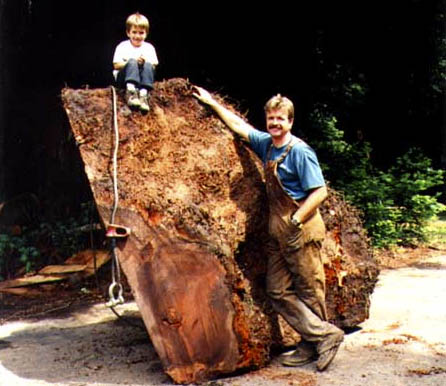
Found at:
[134, 63]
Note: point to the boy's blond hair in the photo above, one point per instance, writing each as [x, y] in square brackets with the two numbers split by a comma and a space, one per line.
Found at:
[277, 102]
[137, 20]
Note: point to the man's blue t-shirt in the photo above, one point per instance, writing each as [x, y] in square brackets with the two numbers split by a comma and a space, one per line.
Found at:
[299, 171]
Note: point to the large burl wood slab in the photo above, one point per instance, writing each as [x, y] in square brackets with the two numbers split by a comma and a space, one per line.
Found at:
[193, 195]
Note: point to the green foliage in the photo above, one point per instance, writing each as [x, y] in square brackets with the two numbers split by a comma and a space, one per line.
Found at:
[342, 162]
[342, 81]
[16, 252]
[396, 204]
[436, 231]
[64, 236]
[48, 242]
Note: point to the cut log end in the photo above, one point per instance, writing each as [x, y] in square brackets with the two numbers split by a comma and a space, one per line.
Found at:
[193, 195]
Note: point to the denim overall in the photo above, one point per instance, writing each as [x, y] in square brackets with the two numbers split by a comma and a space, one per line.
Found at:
[295, 275]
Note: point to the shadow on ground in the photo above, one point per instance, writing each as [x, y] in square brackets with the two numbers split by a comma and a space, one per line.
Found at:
[96, 347]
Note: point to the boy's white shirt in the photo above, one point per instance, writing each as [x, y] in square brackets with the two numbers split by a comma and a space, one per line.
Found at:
[126, 50]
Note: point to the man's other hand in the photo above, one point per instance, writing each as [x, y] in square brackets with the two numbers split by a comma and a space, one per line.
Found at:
[203, 96]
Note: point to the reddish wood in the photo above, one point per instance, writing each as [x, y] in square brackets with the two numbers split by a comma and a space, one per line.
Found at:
[193, 195]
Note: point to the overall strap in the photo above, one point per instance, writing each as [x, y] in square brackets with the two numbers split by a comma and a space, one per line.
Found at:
[292, 142]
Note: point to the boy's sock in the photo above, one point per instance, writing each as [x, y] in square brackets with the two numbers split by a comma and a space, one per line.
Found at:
[130, 86]
[144, 100]
[131, 96]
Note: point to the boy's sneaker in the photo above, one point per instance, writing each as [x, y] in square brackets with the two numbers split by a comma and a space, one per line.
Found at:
[131, 97]
[144, 103]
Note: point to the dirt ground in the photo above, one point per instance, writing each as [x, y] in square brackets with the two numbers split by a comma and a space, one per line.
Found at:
[75, 340]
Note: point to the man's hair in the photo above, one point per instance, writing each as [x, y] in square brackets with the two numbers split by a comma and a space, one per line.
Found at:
[137, 20]
[277, 102]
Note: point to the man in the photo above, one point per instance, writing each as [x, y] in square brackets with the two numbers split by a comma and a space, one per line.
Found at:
[295, 188]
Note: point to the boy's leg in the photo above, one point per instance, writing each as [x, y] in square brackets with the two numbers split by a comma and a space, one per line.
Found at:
[129, 74]
[144, 100]
[128, 79]
[146, 76]
[147, 73]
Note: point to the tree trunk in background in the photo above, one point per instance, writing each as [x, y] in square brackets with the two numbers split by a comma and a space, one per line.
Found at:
[3, 88]
[443, 147]
[193, 195]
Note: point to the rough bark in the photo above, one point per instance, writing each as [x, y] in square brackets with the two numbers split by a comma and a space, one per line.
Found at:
[193, 195]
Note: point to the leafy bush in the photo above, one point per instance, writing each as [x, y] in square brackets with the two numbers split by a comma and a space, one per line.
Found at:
[50, 242]
[16, 252]
[396, 204]
[341, 161]
[436, 231]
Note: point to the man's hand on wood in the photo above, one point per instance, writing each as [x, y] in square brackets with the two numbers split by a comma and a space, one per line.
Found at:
[203, 96]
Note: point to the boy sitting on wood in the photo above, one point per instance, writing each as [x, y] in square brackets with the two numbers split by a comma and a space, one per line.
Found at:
[134, 63]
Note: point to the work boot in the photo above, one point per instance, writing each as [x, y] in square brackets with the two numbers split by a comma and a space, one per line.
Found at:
[144, 103]
[328, 349]
[131, 97]
[305, 353]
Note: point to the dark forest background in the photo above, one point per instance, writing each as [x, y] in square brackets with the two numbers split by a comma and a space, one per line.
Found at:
[247, 51]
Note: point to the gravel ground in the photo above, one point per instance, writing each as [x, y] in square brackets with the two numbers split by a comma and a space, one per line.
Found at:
[402, 343]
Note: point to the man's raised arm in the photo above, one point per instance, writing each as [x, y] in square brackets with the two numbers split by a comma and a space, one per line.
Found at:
[233, 121]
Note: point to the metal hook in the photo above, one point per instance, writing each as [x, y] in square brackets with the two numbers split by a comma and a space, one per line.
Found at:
[114, 301]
